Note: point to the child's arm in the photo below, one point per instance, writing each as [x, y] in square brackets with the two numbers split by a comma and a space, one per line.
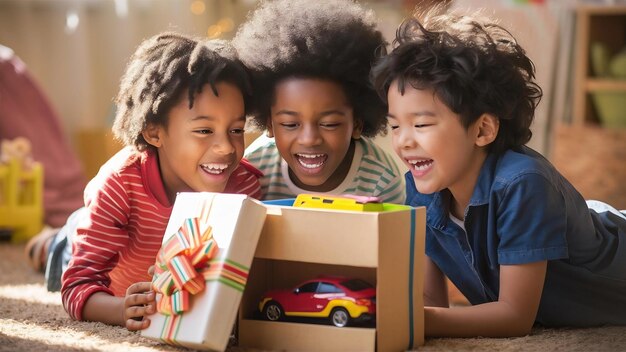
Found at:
[96, 246]
[435, 289]
[139, 301]
[512, 315]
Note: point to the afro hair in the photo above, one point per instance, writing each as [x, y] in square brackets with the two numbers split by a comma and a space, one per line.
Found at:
[333, 40]
[161, 70]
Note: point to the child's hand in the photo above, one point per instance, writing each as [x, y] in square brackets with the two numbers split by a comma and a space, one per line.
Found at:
[139, 302]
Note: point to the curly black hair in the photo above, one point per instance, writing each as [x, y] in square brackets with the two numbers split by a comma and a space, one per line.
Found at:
[161, 70]
[333, 40]
[474, 66]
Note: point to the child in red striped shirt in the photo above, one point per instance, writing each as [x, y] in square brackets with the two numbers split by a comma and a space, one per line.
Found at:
[181, 114]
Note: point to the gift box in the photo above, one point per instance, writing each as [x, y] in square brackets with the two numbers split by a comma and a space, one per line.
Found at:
[202, 268]
[385, 248]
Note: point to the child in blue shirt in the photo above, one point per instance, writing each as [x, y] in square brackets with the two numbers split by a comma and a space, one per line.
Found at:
[502, 224]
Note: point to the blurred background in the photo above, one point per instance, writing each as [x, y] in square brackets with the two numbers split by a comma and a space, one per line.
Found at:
[76, 51]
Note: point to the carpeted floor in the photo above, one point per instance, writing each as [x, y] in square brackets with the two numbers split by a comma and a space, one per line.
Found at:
[32, 319]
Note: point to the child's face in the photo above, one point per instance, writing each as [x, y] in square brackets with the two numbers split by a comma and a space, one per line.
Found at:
[432, 142]
[313, 124]
[202, 146]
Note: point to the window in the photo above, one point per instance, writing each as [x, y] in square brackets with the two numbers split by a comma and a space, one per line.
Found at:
[326, 287]
[309, 287]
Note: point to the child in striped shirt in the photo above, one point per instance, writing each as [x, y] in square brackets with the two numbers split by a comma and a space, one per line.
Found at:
[310, 62]
[181, 113]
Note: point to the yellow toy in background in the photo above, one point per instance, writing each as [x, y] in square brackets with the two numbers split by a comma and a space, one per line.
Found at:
[344, 202]
[21, 190]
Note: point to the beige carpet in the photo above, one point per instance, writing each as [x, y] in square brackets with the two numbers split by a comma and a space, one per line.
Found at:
[32, 319]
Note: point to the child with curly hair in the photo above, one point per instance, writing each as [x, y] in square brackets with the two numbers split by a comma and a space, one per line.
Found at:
[181, 114]
[502, 224]
[310, 62]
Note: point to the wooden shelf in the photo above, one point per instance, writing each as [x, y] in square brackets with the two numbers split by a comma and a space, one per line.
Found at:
[602, 9]
[605, 84]
[594, 23]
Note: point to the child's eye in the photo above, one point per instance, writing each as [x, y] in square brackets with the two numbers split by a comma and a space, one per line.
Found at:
[394, 127]
[422, 125]
[330, 125]
[237, 131]
[204, 131]
[289, 125]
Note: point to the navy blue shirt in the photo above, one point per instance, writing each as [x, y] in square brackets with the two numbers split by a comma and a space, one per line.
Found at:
[522, 211]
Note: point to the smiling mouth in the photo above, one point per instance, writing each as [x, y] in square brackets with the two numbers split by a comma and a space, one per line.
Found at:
[214, 168]
[420, 165]
[311, 161]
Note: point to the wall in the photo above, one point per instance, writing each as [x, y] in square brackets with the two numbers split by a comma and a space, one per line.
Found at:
[79, 68]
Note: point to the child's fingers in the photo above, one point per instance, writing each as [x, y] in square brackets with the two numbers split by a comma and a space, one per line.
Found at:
[132, 324]
[136, 316]
[138, 303]
[138, 287]
[140, 300]
[139, 311]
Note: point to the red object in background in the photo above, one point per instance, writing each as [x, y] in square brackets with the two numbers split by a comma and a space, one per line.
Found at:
[342, 300]
[26, 112]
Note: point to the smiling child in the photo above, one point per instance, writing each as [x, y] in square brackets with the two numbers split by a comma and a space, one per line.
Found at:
[310, 62]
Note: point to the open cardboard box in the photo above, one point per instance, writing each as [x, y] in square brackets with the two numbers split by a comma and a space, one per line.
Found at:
[383, 248]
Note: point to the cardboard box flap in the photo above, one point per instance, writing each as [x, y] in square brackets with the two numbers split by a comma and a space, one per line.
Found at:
[292, 233]
[400, 299]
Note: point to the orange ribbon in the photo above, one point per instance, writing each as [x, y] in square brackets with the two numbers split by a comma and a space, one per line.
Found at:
[180, 264]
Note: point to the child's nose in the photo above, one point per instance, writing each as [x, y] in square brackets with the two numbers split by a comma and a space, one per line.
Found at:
[309, 135]
[406, 139]
[223, 145]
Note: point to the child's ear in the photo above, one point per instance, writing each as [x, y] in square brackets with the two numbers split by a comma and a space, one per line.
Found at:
[488, 126]
[270, 129]
[358, 129]
[152, 135]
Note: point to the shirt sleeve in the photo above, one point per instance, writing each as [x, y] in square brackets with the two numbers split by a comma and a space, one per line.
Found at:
[99, 238]
[390, 184]
[393, 191]
[531, 221]
[245, 180]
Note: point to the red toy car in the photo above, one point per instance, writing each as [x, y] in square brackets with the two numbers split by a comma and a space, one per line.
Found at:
[342, 300]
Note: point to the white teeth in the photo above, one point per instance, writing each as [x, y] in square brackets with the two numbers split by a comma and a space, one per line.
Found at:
[308, 165]
[420, 165]
[311, 166]
[214, 168]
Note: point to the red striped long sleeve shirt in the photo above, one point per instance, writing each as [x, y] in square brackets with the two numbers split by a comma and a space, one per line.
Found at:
[128, 213]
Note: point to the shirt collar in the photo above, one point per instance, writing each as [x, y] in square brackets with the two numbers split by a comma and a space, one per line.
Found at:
[482, 189]
[439, 203]
[152, 181]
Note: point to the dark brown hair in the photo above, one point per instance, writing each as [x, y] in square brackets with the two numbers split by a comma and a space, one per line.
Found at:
[161, 70]
[473, 65]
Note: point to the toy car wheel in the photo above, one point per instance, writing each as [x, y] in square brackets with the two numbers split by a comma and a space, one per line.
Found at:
[273, 311]
[340, 317]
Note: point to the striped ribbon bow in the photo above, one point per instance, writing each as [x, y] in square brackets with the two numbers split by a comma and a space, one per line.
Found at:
[180, 265]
